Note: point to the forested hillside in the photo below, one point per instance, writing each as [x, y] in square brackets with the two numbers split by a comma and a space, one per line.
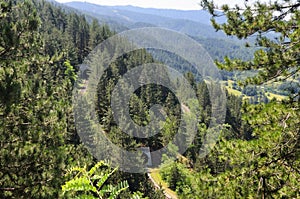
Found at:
[129, 18]
[44, 49]
[194, 23]
[264, 163]
[41, 46]
[197, 25]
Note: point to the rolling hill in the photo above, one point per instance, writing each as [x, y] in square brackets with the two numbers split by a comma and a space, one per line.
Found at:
[195, 23]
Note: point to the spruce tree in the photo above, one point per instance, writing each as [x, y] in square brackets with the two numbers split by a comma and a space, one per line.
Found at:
[267, 164]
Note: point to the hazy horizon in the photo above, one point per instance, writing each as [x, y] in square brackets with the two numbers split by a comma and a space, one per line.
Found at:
[160, 4]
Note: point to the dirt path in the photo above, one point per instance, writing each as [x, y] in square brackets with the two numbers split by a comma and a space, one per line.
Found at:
[155, 177]
[185, 109]
[159, 183]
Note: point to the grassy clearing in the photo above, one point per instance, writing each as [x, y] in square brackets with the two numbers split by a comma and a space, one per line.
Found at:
[239, 93]
[233, 91]
[230, 89]
[278, 97]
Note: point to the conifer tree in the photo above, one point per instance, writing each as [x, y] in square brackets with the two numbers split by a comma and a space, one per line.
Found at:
[267, 165]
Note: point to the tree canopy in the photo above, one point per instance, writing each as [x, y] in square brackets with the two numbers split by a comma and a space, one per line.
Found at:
[266, 165]
[275, 25]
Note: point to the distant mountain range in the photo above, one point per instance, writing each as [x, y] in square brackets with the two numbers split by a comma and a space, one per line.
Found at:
[194, 23]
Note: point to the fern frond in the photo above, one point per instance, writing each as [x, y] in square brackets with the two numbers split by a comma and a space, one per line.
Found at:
[96, 167]
[84, 196]
[101, 182]
[78, 184]
[118, 189]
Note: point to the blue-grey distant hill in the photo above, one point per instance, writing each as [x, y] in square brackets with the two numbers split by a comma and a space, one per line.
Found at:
[195, 23]
[199, 16]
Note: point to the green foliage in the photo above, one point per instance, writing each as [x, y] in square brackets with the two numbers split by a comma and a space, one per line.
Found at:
[70, 72]
[219, 48]
[176, 175]
[92, 183]
[260, 157]
[278, 54]
[40, 44]
[38, 137]
[266, 163]
[33, 110]
[140, 102]
[264, 167]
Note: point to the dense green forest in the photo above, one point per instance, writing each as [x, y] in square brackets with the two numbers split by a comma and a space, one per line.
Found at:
[42, 46]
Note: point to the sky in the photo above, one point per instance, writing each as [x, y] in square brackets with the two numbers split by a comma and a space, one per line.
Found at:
[169, 4]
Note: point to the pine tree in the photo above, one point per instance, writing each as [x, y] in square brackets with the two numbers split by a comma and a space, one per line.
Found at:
[33, 121]
[267, 164]
[278, 55]
[38, 135]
